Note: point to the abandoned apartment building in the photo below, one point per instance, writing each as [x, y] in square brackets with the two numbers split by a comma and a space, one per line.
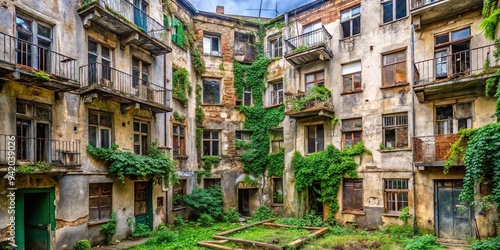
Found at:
[404, 77]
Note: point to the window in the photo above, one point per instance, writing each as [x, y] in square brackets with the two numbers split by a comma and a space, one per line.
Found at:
[140, 74]
[141, 137]
[275, 47]
[211, 142]
[315, 138]
[211, 91]
[179, 140]
[32, 32]
[393, 10]
[179, 191]
[211, 45]
[99, 59]
[100, 129]
[451, 53]
[33, 131]
[100, 201]
[211, 182]
[396, 195]
[351, 74]
[451, 118]
[247, 97]
[141, 191]
[351, 132]
[352, 195]
[277, 140]
[244, 49]
[314, 79]
[277, 93]
[140, 14]
[177, 32]
[394, 68]
[396, 130]
[311, 37]
[277, 190]
[243, 135]
[351, 21]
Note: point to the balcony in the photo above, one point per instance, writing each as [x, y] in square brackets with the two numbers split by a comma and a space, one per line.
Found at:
[433, 151]
[459, 74]
[62, 156]
[428, 11]
[34, 65]
[309, 47]
[129, 22]
[99, 80]
[311, 107]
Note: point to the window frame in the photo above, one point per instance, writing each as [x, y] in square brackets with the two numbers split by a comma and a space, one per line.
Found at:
[394, 65]
[317, 147]
[395, 127]
[211, 141]
[212, 52]
[181, 190]
[352, 130]
[207, 182]
[351, 73]
[450, 58]
[100, 198]
[394, 10]
[388, 192]
[219, 98]
[275, 199]
[277, 94]
[275, 46]
[99, 127]
[177, 32]
[143, 70]
[247, 97]
[351, 19]
[351, 207]
[32, 147]
[143, 149]
[180, 150]
[276, 136]
[453, 123]
[33, 56]
[316, 82]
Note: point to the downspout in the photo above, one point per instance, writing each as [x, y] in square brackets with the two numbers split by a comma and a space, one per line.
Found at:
[165, 86]
[287, 31]
[412, 82]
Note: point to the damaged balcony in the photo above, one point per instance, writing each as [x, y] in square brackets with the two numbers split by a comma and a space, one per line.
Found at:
[433, 151]
[463, 73]
[130, 22]
[309, 47]
[62, 156]
[312, 107]
[34, 65]
[428, 11]
[99, 80]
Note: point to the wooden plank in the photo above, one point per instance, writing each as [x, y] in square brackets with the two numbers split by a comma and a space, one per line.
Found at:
[300, 242]
[213, 246]
[244, 227]
[251, 243]
[216, 241]
[289, 226]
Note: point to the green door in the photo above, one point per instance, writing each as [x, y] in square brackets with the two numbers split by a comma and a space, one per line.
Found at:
[35, 218]
[142, 203]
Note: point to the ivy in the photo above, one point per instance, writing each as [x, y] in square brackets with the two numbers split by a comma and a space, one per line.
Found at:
[124, 164]
[40, 74]
[251, 76]
[328, 166]
[316, 93]
[276, 163]
[199, 136]
[178, 117]
[199, 114]
[181, 85]
[209, 161]
[241, 144]
[251, 182]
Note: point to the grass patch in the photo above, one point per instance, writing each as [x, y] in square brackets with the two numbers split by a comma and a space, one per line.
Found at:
[358, 240]
[276, 236]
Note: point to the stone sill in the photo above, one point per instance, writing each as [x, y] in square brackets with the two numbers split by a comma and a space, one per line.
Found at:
[352, 92]
[179, 208]
[392, 214]
[354, 212]
[273, 106]
[208, 105]
[97, 222]
[395, 85]
[210, 55]
[350, 37]
[394, 21]
[394, 150]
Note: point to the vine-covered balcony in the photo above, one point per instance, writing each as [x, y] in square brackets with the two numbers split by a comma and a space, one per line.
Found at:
[129, 21]
[34, 65]
[99, 80]
[309, 47]
[433, 151]
[317, 102]
[453, 75]
[428, 11]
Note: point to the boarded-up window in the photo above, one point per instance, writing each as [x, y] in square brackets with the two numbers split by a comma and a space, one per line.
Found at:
[394, 68]
[211, 182]
[352, 194]
[351, 132]
[100, 201]
[314, 138]
[395, 130]
[277, 141]
[396, 195]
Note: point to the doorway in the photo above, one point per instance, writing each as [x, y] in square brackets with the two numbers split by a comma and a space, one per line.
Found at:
[142, 203]
[453, 220]
[314, 196]
[244, 202]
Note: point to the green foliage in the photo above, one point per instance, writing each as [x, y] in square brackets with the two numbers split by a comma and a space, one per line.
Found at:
[328, 166]
[162, 235]
[489, 24]
[40, 167]
[208, 201]
[178, 117]
[301, 48]
[251, 182]
[109, 229]
[199, 137]
[205, 220]
[200, 174]
[276, 163]
[316, 93]
[310, 219]
[209, 161]
[40, 74]
[241, 144]
[155, 166]
[221, 67]
[82, 245]
[179, 221]
[251, 76]
[492, 243]
[381, 146]
[397, 230]
[262, 213]
[231, 215]
[141, 230]
[405, 215]
[197, 60]
[181, 85]
[274, 23]
[426, 242]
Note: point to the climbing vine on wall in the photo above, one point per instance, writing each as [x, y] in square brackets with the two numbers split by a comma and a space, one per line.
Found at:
[181, 85]
[328, 166]
[276, 163]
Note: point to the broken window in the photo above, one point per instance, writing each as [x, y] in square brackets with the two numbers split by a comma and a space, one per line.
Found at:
[314, 138]
[100, 201]
[351, 74]
[350, 20]
[29, 32]
[451, 118]
[277, 140]
[244, 48]
[211, 182]
[247, 96]
[352, 195]
[141, 137]
[179, 191]
[211, 45]
[393, 10]
[452, 53]
[277, 93]
[211, 142]
[100, 128]
[351, 132]
[211, 91]
[395, 130]
[396, 195]
[315, 79]
[277, 190]
[32, 131]
[179, 140]
[394, 68]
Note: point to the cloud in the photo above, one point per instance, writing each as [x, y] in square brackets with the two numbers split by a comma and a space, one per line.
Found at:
[249, 7]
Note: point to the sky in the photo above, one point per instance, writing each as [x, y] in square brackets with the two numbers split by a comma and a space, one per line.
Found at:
[242, 7]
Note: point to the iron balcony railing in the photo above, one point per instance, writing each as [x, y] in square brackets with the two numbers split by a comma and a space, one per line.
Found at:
[460, 64]
[123, 83]
[307, 40]
[415, 4]
[434, 148]
[33, 57]
[33, 150]
[124, 9]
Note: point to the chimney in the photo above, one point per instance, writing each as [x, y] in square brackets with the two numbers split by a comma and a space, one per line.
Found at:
[220, 10]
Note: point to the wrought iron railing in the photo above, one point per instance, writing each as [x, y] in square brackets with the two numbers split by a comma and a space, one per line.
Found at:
[307, 40]
[36, 58]
[415, 4]
[33, 150]
[456, 65]
[434, 148]
[123, 84]
[124, 9]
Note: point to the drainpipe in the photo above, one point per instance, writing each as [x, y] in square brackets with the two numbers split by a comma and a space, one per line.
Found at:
[287, 31]
[165, 86]
[412, 82]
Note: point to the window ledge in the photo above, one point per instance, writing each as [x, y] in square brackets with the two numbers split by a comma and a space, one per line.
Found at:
[179, 208]
[207, 104]
[97, 222]
[277, 205]
[210, 55]
[351, 92]
[182, 157]
[355, 212]
[350, 37]
[391, 214]
[394, 150]
[393, 21]
[273, 106]
[395, 85]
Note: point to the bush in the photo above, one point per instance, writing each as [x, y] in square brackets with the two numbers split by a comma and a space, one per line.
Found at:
[231, 215]
[208, 201]
[398, 231]
[309, 219]
[206, 220]
[179, 221]
[109, 229]
[141, 230]
[486, 244]
[162, 235]
[426, 242]
[82, 245]
[262, 213]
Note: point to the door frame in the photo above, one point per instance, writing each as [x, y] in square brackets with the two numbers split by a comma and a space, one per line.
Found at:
[149, 203]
